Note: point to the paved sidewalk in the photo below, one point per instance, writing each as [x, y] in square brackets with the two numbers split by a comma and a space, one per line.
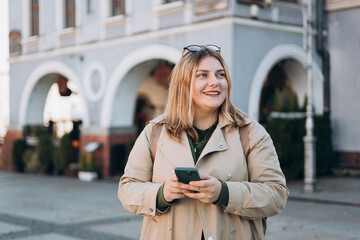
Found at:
[331, 213]
[36, 207]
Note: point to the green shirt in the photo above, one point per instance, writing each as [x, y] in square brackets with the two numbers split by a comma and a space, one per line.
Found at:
[196, 150]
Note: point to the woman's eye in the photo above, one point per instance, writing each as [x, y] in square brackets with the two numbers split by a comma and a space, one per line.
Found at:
[221, 75]
[202, 75]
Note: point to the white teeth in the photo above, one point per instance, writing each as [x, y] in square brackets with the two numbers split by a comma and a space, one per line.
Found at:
[212, 93]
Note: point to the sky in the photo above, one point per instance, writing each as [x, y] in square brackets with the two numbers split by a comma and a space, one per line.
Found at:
[4, 31]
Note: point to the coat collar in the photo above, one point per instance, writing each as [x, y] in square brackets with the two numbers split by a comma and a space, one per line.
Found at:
[223, 122]
[179, 154]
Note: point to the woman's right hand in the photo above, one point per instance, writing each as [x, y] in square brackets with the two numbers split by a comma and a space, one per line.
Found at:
[173, 189]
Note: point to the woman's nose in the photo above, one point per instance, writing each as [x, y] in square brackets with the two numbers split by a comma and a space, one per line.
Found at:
[213, 80]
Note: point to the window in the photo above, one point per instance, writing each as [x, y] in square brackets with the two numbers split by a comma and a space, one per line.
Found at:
[88, 9]
[262, 2]
[34, 9]
[117, 7]
[69, 13]
[170, 1]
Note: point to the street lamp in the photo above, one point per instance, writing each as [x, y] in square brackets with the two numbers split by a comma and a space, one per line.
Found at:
[309, 139]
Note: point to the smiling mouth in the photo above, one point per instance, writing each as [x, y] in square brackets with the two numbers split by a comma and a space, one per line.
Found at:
[213, 93]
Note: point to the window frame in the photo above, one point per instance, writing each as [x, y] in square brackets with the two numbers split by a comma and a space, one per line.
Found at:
[170, 1]
[120, 8]
[34, 20]
[71, 12]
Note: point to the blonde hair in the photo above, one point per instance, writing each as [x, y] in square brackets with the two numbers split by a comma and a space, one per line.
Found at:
[179, 114]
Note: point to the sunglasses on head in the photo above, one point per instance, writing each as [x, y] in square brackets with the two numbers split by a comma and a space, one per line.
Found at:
[196, 48]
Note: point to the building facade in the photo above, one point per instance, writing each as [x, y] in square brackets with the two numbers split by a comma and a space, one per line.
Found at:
[118, 54]
[4, 70]
[343, 18]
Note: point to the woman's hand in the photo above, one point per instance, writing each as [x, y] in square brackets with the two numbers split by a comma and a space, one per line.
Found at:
[173, 189]
[208, 190]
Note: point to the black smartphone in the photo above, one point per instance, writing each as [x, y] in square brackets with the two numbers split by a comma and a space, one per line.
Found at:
[186, 175]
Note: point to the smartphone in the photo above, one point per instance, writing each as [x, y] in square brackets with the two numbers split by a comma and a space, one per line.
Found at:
[186, 175]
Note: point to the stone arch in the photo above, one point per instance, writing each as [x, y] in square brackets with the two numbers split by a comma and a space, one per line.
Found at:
[275, 55]
[126, 79]
[36, 89]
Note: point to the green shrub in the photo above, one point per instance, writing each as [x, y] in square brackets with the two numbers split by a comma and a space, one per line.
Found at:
[19, 147]
[295, 107]
[56, 162]
[31, 160]
[65, 151]
[289, 102]
[45, 152]
[88, 165]
[92, 167]
[277, 101]
[83, 164]
[287, 135]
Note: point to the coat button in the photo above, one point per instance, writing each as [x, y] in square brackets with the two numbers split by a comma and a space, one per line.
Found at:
[229, 176]
[170, 228]
[210, 238]
[233, 231]
[221, 146]
[151, 210]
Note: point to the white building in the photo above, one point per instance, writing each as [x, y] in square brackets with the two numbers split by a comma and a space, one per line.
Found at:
[4, 69]
[343, 20]
[115, 53]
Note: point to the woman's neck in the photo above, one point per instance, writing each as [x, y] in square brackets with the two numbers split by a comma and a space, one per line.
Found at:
[205, 121]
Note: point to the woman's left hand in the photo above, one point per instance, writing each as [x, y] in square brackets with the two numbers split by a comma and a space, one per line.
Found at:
[208, 190]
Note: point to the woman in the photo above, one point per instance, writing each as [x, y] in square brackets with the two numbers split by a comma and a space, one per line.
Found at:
[200, 128]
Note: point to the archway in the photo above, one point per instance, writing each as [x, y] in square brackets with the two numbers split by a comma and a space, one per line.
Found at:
[46, 81]
[37, 87]
[137, 92]
[295, 59]
[127, 78]
[284, 89]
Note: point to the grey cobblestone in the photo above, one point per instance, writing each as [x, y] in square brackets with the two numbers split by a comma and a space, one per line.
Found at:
[36, 207]
[78, 230]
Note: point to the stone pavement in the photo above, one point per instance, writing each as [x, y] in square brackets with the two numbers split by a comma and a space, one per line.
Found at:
[36, 207]
[331, 213]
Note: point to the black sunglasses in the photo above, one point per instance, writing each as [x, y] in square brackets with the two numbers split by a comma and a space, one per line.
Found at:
[196, 48]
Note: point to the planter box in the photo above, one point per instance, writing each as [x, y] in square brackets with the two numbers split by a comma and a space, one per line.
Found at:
[287, 115]
[32, 140]
[87, 176]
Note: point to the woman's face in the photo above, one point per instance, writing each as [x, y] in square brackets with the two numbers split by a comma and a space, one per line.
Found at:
[210, 85]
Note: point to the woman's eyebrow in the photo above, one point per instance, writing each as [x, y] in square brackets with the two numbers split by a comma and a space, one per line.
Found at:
[205, 70]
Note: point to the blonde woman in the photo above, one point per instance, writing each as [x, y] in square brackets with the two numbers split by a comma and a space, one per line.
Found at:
[201, 128]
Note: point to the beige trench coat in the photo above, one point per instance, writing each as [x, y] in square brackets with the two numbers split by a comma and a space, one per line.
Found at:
[257, 187]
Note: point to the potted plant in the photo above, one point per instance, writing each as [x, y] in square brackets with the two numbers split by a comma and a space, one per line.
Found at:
[87, 170]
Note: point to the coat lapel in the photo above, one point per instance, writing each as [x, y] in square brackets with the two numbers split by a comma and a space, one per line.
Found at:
[216, 143]
[179, 154]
